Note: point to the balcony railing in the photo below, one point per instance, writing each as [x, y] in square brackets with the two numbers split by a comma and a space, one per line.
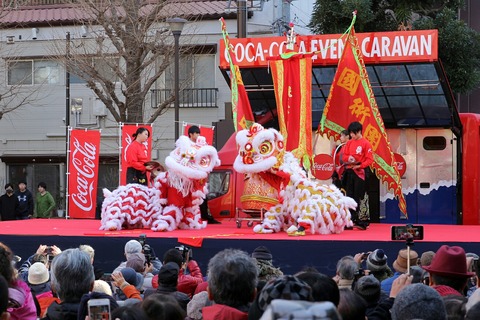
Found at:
[188, 98]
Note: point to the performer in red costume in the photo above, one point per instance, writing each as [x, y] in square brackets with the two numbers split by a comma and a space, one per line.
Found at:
[137, 157]
[358, 156]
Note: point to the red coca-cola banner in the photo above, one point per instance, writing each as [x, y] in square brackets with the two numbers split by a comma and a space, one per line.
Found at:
[83, 173]
[323, 167]
[207, 132]
[127, 137]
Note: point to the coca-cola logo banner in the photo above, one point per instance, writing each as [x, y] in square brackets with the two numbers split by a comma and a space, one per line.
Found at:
[83, 173]
[322, 167]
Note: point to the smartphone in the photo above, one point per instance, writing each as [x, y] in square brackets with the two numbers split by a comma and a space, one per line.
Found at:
[99, 309]
[407, 232]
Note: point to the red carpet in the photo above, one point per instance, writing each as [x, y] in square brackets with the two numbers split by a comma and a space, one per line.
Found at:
[226, 230]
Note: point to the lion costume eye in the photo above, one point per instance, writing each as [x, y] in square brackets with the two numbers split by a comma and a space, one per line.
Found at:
[265, 148]
[204, 162]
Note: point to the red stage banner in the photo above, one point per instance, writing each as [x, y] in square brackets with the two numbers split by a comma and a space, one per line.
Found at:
[292, 81]
[83, 173]
[351, 99]
[242, 111]
[376, 47]
[127, 137]
[207, 132]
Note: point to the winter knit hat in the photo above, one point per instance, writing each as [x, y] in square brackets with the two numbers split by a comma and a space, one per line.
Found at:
[285, 287]
[368, 287]
[136, 261]
[132, 277]
[38, 273]
[132, 246]
[102, 286]
[168, 274]
[426, 258]
[377, 261]
[262, 253]
[418, 301]
[195, 306]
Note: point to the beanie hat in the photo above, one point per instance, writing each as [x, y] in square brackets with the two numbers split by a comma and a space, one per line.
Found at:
[132, 277]
[368, 287]
[38, 273]
[102, 286]
[285, 287]
[136, 261]
[418, 301]
[168, 275]
[377, 260]
[262, 253]
[400, 264]
[426, 258]
[132, 246]
[195, 306]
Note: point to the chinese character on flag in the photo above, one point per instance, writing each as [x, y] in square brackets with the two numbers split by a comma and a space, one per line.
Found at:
[351, 99]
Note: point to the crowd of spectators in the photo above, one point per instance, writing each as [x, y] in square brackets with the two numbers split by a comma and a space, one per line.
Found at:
[61, 284]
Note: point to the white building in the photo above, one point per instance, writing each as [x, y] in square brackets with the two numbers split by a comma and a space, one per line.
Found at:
[33, 137]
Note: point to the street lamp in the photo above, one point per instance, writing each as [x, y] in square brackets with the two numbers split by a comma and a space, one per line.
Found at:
[176, 26]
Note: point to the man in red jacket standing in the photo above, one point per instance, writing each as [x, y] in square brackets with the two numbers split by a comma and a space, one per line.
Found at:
[358, 156]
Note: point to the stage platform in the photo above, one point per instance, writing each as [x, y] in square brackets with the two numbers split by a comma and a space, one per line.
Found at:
[289, 253]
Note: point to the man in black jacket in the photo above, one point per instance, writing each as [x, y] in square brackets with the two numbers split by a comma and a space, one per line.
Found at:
[8, 204]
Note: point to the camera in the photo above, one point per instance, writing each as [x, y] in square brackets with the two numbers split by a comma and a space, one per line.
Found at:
[147, 250]
[187, 253]
[407, 233]
[48, 250]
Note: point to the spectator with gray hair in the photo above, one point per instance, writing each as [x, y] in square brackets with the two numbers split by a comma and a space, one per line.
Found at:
[347, 268]
[71, 277]
[232, 281]
[91, 253]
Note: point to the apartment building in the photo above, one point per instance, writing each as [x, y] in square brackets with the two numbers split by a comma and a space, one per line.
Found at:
[33, 143]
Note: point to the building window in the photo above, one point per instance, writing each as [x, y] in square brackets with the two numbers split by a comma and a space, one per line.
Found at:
[197, 82]
[29, 72]
[78, 74]
[196, 71]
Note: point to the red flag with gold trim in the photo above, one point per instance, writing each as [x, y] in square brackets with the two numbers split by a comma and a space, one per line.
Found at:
[292, 81]
[241, 109]
[351, 99]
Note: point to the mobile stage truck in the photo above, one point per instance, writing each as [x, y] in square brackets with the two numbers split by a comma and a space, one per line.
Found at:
[437, 149]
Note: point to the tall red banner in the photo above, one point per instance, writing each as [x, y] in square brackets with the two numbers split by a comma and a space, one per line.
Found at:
[351, 99]
[206, 132]
[83, 173]
[127, 137]
[292, 80]
[242, 111]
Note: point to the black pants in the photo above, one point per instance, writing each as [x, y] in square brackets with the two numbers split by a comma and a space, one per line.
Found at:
[136, 176]
[356, 188]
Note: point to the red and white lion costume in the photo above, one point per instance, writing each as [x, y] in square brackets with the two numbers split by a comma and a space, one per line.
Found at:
[276, 182]
[173, 201]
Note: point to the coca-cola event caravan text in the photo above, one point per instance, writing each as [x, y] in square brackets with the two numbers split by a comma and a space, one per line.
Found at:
[377, 47]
